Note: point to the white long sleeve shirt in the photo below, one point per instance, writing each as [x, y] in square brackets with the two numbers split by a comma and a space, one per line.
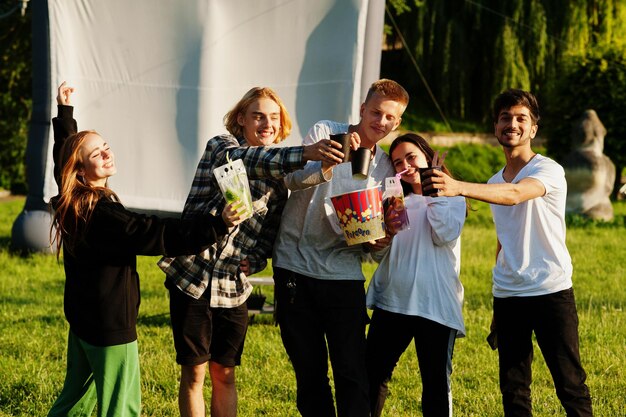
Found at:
[418, 274]
[310, 241]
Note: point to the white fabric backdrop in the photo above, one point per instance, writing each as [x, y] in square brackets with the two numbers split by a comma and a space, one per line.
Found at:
[155, 78]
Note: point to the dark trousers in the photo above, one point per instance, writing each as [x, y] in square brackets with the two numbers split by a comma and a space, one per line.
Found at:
[323, 318]
[554, 320]
[388, 337]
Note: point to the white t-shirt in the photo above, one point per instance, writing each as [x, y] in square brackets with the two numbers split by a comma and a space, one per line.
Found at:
[418, 274]
[310, 240]
[534, 259]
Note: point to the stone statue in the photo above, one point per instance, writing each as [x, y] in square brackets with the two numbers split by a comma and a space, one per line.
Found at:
[590, 174]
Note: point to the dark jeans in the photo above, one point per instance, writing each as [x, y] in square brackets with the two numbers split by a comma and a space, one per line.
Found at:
[554, 320]
[388, 337]
[323, 318]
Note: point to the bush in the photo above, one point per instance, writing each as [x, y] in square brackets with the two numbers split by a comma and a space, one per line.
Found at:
[471, 162]
[474, 163]
[15, 99]
[584, 222]
[13, 138]
[595, 81]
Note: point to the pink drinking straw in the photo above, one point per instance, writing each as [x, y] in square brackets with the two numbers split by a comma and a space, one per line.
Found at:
[399, 174]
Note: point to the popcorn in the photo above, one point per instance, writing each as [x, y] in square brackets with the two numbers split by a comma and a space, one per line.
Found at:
[360, 215]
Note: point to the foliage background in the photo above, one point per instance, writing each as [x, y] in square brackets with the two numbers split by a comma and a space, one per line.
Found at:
[453, 56]
[470, 50]
[570, 53]
[596, 81]
[15, 99]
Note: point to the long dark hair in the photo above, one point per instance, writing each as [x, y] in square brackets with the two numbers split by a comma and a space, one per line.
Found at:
[429, 152]
[76, 201]
[423, 146]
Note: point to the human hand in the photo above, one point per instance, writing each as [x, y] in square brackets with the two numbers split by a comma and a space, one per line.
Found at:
[355, 141]
[393, 221]
[233, 213]
[379, 244]
[328, 164]
[63, 94]
[442, 183]
[244, 266]
[326, 150]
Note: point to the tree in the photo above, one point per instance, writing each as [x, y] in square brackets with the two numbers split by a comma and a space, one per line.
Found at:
[595, 81]
[469, 51]
[15, 99]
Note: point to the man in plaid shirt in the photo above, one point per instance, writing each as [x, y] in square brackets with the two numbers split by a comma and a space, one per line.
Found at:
[218, 266]
[210, 326]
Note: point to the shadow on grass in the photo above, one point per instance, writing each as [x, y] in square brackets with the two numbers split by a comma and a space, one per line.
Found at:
[584, 222]
[155, 320]
[5, 242]
[163, 320]
[262, 320]
[45, 319]
[5, 245]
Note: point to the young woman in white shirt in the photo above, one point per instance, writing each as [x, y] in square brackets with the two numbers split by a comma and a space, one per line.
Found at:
[416, 293]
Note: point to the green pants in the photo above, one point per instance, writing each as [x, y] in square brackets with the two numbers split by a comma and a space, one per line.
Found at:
[108, 376]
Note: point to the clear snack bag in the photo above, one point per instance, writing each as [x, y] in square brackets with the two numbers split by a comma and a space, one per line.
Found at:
[394, 197]
[233, 181]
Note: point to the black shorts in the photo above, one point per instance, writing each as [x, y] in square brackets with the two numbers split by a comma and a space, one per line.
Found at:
[202, 333]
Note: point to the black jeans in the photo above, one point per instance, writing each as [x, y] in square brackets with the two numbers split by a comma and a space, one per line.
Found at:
[322, 318]
[554, 320]
[388, 337]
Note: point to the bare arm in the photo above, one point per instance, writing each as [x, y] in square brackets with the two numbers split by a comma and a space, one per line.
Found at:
[498, 249]
[507, 194]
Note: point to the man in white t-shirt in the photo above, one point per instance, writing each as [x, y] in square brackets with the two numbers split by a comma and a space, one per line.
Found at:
[532, 278]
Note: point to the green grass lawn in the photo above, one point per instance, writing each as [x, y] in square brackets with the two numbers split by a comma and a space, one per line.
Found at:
[33, 334]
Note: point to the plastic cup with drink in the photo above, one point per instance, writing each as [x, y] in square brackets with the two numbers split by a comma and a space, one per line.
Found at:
[427, 172]
[393, 205]
[233, 181]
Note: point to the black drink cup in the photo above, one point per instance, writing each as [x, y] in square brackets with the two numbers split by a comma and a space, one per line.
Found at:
[361, 163]
[427, 173]
[344, 140]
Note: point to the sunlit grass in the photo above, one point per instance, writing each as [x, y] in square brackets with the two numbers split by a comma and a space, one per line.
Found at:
[33, 334]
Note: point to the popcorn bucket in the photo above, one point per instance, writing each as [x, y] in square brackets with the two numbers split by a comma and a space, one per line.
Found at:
[360, 214]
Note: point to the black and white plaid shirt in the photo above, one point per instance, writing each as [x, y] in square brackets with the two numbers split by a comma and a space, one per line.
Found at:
[218, 266]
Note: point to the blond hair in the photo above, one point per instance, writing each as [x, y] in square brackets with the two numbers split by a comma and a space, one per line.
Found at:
[255, 93]
[389, 89]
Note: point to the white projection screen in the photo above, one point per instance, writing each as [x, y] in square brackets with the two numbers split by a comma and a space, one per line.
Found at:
[155, 77]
